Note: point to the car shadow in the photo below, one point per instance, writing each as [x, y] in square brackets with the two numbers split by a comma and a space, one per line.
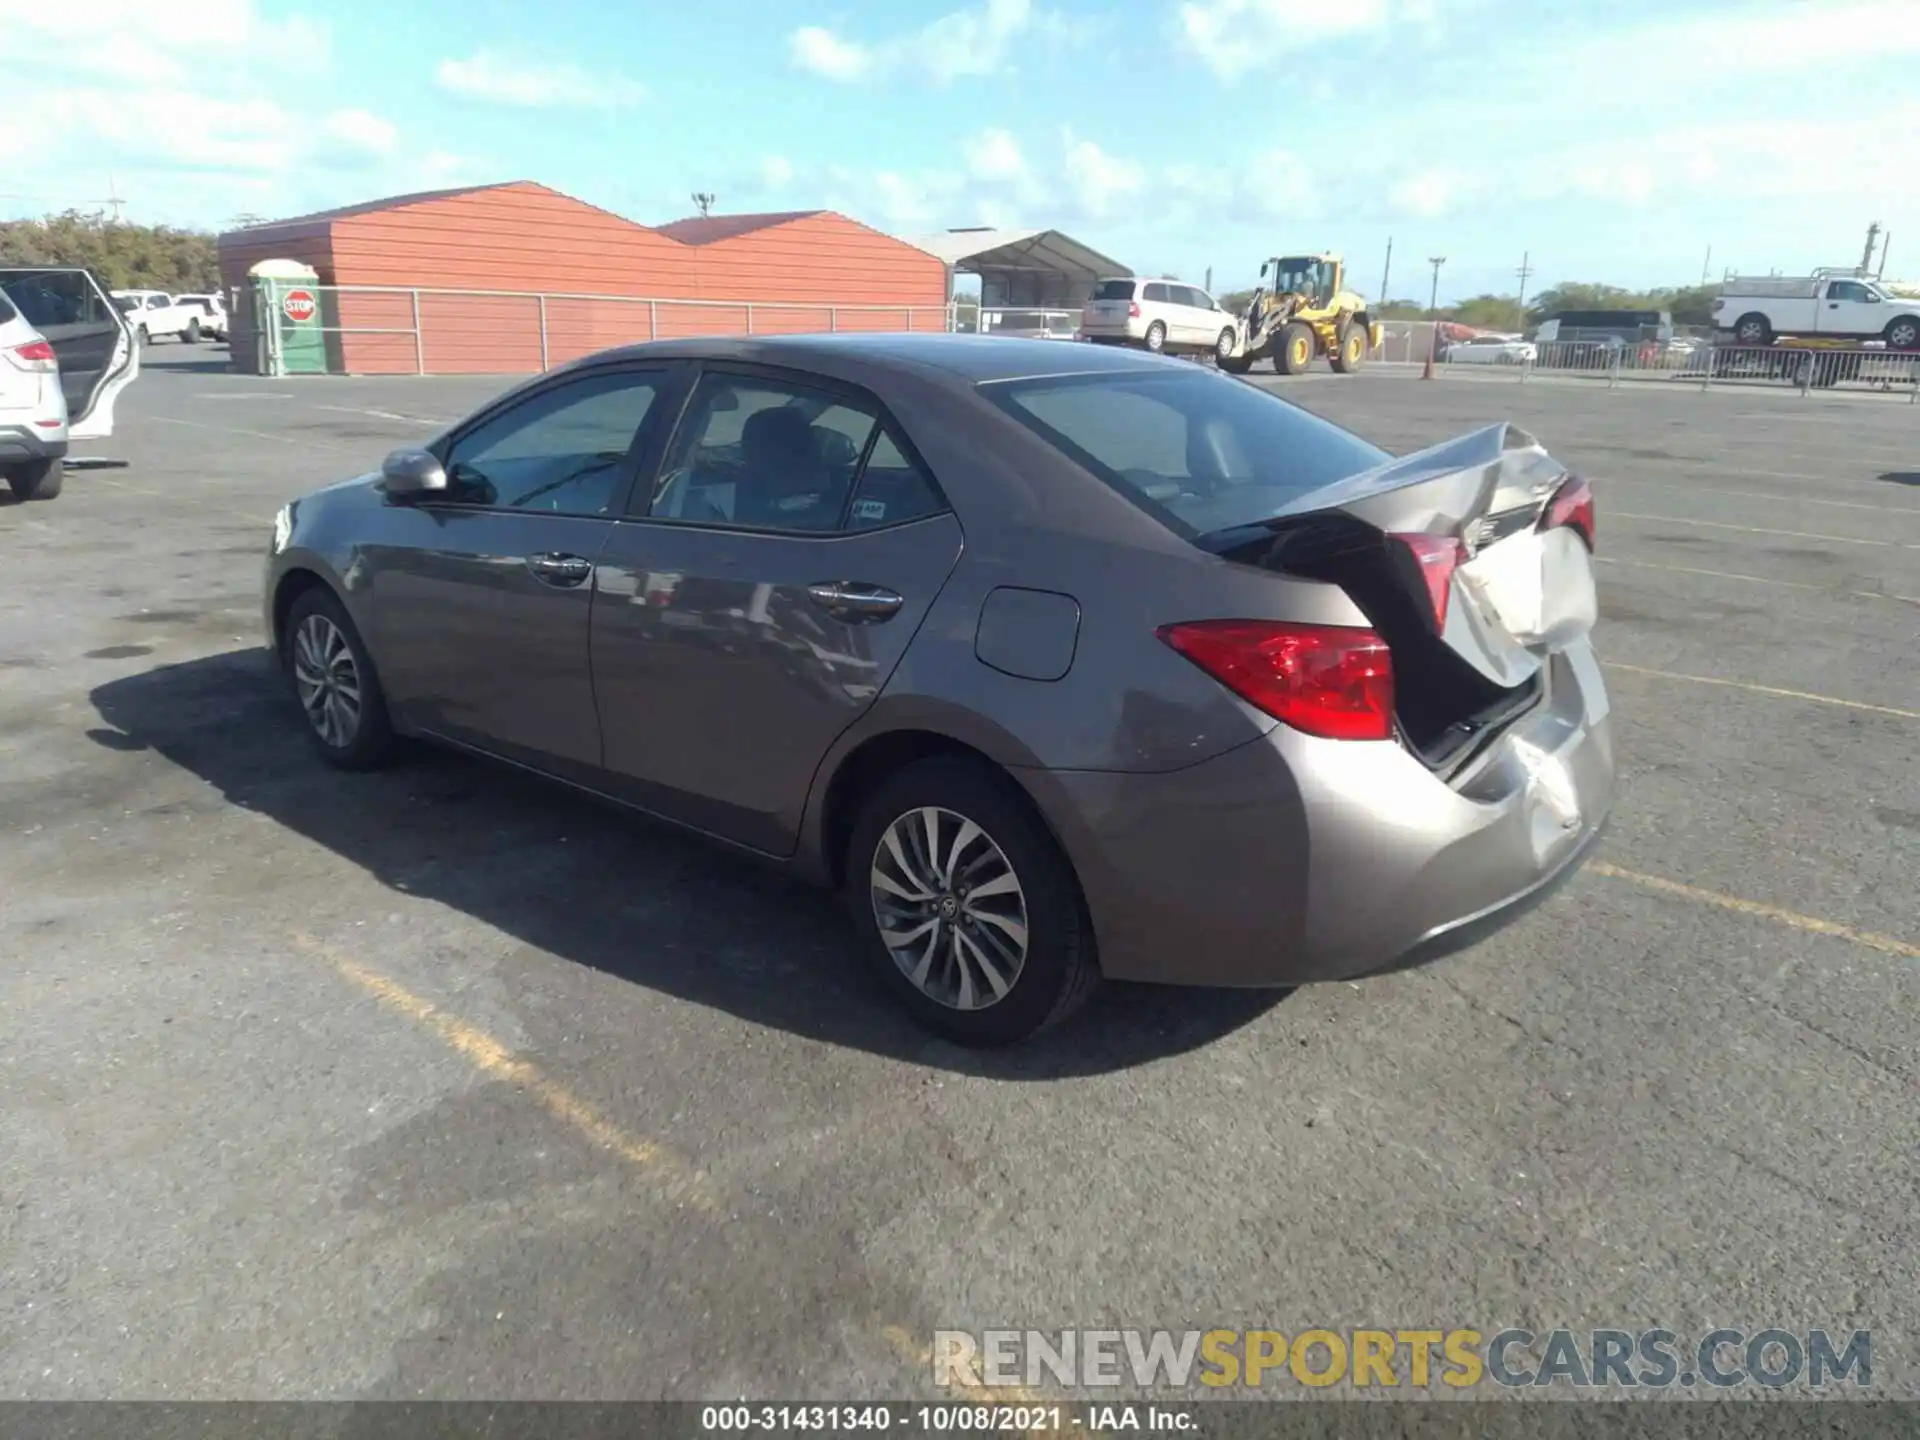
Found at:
[218, 364]
[1902, 477]
[600, 886]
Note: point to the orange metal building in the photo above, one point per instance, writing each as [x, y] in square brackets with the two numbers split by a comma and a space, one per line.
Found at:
[503, 279]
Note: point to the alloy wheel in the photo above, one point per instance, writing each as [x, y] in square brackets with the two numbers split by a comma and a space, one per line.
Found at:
[328, 681]
[950, 908]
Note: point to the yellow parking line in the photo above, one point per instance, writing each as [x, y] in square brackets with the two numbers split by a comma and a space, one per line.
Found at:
[492, 1058]
[1764, 690]
[1761, 530]
[675, 1174]
[1812, 924]
[1758, 580]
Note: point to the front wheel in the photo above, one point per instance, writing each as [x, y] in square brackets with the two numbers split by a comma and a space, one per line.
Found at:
[1223, 348]
[333, 679]
[1294, 353]
[1350, 352]
[968, 911]
[1903, 333]
[35, 479]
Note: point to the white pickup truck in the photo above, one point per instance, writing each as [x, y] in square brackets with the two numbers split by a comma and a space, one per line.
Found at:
[154, 313]
[1828, 304]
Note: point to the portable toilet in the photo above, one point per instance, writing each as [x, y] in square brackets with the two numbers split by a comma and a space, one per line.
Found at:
[289, 330]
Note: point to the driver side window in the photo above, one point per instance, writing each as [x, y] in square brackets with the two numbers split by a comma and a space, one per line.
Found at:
[562, 452]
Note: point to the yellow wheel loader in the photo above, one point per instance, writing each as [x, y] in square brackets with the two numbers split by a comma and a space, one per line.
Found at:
[1303, 309]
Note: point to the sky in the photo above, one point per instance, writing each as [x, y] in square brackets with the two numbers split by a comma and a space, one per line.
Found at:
[1601, 140]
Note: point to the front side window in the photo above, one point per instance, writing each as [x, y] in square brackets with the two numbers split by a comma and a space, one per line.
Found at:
[158, 302]
[769, 454]
[1199, 451]
[563, 451]
[1847, 290]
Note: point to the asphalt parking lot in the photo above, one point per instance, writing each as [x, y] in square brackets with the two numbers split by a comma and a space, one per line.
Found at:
[442, 1083]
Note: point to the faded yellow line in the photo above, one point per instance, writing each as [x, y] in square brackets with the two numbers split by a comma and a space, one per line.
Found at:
[1687, 487]
[1761, 530]
[300, 441]
[1758, 580]
[916, 1354]
[1765, 690]
[676, 1176]
[1812, 924]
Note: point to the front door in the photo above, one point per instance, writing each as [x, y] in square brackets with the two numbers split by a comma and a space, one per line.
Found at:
[93, 345]
[757, 601]
[1850, 309]
[481, 596]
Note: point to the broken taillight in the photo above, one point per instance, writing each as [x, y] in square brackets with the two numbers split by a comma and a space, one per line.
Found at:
[1438, 556]
[1335, 681]
[1571, 505]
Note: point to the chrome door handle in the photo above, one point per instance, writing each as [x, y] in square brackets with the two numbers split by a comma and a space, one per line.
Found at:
[853, 601]
[565, 571]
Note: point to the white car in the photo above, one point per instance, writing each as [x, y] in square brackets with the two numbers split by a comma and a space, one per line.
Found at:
[65, 354]
[1492, 350]
[154, 314]
[1157, 315]
[213, 313]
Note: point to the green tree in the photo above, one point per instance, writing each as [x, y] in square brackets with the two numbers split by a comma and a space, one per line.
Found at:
[156, 257]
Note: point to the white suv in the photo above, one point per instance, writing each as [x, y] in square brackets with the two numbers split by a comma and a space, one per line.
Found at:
[1156, 315]
[65, 354]
[213, 313]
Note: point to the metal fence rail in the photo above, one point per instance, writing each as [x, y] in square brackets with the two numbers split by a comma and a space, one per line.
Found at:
[419, 330]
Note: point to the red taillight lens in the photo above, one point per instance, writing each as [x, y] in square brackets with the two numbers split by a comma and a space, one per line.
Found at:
[1572, 504]
[34, 355]
[1438, 556]
[1133, 310]
[1334, 681]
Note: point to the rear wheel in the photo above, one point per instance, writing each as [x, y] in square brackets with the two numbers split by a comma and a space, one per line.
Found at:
[1156, 337]
[334, 681]
[968, 911]
[35, 479]
[140, 334]
[192, 337]
[1294, 353]
[1350, 353]
[1753, 330]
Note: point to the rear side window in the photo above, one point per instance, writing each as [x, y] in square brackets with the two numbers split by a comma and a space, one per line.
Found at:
[1114, 290]
[1158, 292]
[50, 298]
[892, 489]
[1199, 451]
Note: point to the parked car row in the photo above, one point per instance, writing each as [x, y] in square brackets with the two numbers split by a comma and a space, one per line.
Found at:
[156, 315]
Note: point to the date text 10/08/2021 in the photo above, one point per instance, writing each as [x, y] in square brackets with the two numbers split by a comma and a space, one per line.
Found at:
[948, 1419]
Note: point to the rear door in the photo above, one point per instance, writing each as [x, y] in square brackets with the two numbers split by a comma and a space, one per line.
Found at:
[90, 339]
[1111, 306]
[758, 596]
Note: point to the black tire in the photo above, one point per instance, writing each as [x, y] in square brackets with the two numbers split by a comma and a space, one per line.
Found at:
[140, 334]
[1156, 337]
[192, 335]
[1223, 347]
[1903, 333]
[1293, 349]
[1060, 969]
[371, 742]
[1350, 349]
[35, 479]
[1753, 330]
[1236, 364]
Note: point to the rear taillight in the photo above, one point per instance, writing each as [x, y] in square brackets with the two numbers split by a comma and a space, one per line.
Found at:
[1572, 505]
[1438, 556]
[1334, 681]
[34, 355]
[1133, 309]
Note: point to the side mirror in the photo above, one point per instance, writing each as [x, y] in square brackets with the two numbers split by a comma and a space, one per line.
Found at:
[411, 474]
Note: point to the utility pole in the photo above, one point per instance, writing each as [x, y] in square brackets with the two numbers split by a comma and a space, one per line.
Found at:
[1524, 272]
[1433, 316]
[1886, 244]
[1873, 237]
[1386, 271]
[704, 199]
[1706, 265]
[1208, 287]
[113, 198]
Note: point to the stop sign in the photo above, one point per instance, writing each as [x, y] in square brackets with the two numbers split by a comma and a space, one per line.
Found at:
[299, 305]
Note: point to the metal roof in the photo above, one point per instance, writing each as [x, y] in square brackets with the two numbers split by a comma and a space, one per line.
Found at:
[1044, 251]
[705, 229]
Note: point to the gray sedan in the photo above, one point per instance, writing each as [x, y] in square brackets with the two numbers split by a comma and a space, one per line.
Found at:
[1061, 662]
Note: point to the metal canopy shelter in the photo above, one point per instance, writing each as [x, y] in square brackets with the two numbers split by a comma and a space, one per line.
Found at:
[1043, 269]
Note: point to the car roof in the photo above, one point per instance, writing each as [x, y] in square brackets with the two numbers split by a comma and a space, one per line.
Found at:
[972, 359]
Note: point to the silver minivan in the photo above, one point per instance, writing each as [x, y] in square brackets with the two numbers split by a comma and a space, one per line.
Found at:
[1157, 315]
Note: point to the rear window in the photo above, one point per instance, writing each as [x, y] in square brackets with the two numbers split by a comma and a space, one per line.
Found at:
[1198, 450]
[1114, 290]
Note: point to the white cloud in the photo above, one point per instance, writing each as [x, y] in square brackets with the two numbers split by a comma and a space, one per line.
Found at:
[362, 131]
[976, 41]
[776, 172]
[1428, 194]
[1100, 181]
[1235, 36]
[535, 85]
[994, 155]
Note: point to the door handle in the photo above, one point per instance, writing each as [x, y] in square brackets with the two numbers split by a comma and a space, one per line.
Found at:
[564, 571]
[853, 601]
